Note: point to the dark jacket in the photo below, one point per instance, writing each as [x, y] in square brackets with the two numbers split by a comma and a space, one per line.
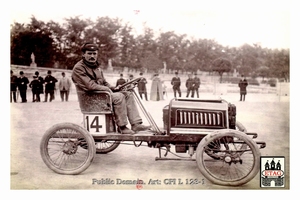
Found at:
[189, 83]
[22, 83]
[197, 82]
[13, 83]
[35, 86]
[176, 82]
[41, 84]
[243, 85]
[142, 85]
[87, 77]
[50, 82]
[120, 81]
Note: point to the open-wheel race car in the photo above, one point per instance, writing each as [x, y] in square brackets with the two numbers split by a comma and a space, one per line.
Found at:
[207, 130]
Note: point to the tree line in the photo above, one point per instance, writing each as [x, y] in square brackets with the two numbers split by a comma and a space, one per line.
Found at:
[55, 44]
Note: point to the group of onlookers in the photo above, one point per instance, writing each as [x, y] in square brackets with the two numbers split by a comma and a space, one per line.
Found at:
[38, 85]
[47, 86]
[158, 87]
[192, 85]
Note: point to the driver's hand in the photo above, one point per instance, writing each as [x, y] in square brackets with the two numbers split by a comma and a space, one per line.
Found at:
[117, 88]
[104, 88]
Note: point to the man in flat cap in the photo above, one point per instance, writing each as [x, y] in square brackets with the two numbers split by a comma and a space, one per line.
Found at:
[88, 76]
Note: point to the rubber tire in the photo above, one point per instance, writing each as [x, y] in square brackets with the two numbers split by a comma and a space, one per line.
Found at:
[89, 139]
[109, 149]
[231, 133]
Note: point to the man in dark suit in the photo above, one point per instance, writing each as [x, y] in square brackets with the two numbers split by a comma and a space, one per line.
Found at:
[22, 85]
[121, 80]
[176, 82]
[49, 86]
[142, 87]
[243, 91]
[189, 86]
[13, 87]
[197, 83]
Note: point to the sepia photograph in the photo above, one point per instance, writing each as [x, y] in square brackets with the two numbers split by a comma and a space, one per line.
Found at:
[149, 95]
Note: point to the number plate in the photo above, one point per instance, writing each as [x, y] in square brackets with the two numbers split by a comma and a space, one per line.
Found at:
[95, 124]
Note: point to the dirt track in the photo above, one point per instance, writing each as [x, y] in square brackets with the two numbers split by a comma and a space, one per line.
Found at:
[265, 114]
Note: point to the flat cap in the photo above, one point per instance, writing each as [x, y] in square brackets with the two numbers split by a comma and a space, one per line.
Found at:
[89, 47]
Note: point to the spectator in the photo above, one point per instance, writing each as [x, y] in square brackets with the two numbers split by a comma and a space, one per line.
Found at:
[120, 81]
[41, 82]
[13, 87]
[243, 88]
[22, 85]
[189, 85]
[156, 93]
[197, 83]
[142, 87]
[176, 82]
[49, 86]
[35, 87]
[64, 86]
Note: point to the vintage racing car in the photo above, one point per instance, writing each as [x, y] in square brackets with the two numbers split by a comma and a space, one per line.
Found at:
[205, 129]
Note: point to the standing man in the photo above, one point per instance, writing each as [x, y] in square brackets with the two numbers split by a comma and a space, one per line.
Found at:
[121, 80]
[142, 87]
[41, 82]
[35, 85]
[88, 76]
[243, 88]
[189, 86]
[22, 84]
[176, 82]
[13, 87]
[197, 83]
[64, 86]
[49, 86]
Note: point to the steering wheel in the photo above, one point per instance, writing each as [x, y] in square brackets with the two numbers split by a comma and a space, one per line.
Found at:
[130, 83]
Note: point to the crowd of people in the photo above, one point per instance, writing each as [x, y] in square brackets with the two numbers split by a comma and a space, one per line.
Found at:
[158, 91]
[38, 85]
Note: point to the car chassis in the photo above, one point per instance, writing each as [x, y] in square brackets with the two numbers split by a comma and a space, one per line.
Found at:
[226, 154]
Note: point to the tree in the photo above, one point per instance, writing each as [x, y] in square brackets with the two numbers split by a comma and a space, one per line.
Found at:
[126, 48]
[33, 38]
[263, 71]
[280, 64]
[152, 62]
[221, 65]
[169, 49]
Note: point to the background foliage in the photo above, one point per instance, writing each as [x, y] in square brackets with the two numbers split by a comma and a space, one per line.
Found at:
[58, 45]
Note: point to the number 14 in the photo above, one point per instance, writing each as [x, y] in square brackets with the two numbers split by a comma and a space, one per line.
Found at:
[94, 123]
